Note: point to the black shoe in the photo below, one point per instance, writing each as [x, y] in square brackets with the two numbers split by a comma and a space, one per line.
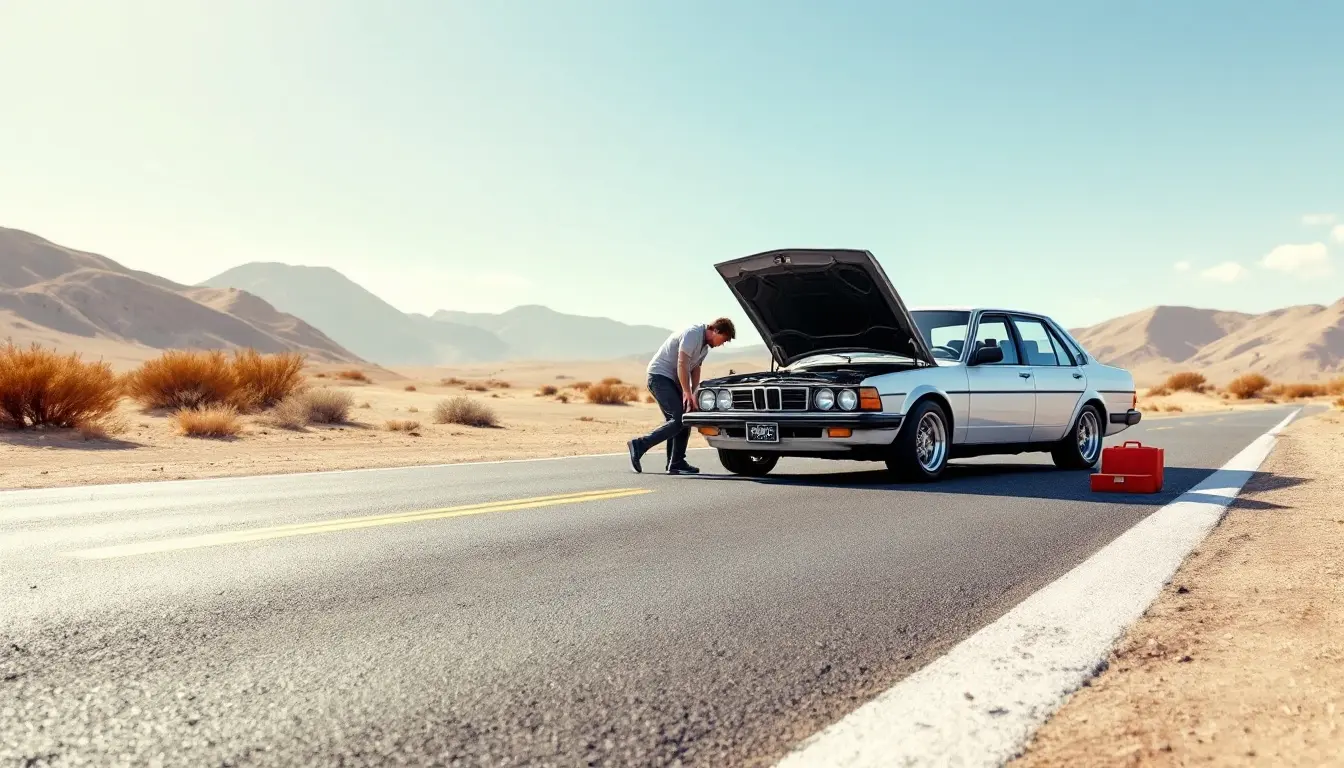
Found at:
[634, 456]
[683, 469]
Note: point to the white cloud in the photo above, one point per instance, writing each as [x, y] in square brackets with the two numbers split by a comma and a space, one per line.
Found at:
[1306, 259]
[1227, 272]
[1338, 233]
[1181, 266]
[1318, 219]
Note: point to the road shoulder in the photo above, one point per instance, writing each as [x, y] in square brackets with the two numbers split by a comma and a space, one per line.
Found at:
[1238, 659]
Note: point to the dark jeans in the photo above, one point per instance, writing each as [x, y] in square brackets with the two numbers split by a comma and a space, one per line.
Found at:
[667, 393]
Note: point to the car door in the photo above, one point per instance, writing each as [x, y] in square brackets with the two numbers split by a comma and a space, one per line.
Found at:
[1002, 395]
[1059, 380]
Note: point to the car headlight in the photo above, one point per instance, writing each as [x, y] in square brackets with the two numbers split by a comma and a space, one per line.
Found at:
[848, 400]
[725, 400]
[824, 399]
[707, 399]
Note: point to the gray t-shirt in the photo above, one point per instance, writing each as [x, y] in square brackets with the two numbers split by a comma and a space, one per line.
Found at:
[691, 341]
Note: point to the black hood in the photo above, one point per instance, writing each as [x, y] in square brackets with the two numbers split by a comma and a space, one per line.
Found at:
[807, 301]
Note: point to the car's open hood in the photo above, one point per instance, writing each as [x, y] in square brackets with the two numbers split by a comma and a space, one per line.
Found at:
[806, 301]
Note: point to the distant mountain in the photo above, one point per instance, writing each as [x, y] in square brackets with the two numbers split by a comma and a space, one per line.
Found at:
[361, 321]
[538, 333]
[80, 301]
[1299, 343]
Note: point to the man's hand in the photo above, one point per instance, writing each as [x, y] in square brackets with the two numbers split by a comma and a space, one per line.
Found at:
[688, 401]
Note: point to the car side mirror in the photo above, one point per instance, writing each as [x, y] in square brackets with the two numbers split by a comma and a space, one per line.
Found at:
[986, 355]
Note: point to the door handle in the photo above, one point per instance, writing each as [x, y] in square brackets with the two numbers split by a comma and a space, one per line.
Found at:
[1024, 374]
[1077, 375]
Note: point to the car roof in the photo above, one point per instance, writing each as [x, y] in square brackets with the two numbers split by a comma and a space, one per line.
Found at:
[1009, 310]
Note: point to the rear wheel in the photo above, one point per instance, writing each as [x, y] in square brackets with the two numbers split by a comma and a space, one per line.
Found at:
[748, 464]
[923, 445]
[1081, 447]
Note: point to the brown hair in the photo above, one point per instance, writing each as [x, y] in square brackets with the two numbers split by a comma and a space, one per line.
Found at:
[724, 326]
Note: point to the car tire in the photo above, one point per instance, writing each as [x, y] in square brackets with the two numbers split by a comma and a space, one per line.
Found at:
[923, 445]
[1081, 447]
[747, 464]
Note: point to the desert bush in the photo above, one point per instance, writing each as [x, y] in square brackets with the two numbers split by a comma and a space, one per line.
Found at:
[264, 380]
[401, 425]
[1159, 391]
[465, 411]
[497, 384]
[476, 386]
[562, 397]
[39, 387]
[1298, 391]
[650, 399]
[291, 413]
[1186, 381]
[412, 409]
[1335, 386]
[581, 385]
[180, 379]
[1339, 403]
[1248, 385]
[410, 387]
[587, 418]
[611, 394]
[612, 380]
[354, 374]
[1173, 408]
[217, 420]
[328, 406]
[452, 381]
[101, 428]
[547, 390]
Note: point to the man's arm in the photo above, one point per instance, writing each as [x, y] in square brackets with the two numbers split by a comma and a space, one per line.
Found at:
[687, 387]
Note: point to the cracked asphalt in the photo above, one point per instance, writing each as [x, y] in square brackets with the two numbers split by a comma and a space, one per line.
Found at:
[708, 621]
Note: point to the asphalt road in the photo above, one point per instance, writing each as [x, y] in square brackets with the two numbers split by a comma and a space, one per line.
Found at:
[701, 620]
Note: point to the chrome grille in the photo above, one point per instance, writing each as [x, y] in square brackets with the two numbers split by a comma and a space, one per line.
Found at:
[770, 398]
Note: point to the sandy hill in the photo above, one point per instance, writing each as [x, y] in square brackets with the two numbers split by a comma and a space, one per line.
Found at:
[1300, 343]
[538, 333]
[89, 303]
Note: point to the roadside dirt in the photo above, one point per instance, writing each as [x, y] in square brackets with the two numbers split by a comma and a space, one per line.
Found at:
[1238, 661]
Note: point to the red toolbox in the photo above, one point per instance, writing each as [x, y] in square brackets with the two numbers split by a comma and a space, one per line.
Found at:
[1130, 468]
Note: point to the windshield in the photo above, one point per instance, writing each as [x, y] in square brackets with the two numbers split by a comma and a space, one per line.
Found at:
[943, 330]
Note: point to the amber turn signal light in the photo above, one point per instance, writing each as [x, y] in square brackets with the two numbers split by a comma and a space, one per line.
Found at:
[839, 432]
[869, 400]
[709, 431]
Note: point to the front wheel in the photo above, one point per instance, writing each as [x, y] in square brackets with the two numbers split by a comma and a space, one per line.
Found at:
[1081, 447]
[747, 464]
[923, 445]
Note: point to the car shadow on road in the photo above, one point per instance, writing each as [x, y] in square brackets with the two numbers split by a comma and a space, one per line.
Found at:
[1043, 482]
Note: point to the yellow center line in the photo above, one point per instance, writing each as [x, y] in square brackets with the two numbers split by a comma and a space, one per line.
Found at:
[350, 523]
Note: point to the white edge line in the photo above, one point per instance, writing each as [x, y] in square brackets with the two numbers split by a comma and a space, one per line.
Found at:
[979, 704]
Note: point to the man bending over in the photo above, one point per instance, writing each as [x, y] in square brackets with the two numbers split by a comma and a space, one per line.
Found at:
[674, 373]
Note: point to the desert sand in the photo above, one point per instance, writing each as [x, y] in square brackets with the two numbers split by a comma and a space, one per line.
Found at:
[1238, 661]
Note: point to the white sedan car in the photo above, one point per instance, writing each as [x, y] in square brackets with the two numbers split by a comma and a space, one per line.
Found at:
[857, 376]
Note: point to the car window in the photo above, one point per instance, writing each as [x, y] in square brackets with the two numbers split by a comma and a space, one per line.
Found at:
[943, 330]
[993, 331]
[1038, 346]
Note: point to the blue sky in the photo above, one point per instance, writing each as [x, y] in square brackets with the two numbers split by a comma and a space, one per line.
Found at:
[1081, 158]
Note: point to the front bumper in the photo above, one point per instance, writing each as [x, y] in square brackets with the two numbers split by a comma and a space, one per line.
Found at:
[1128, 418]
[855, 421]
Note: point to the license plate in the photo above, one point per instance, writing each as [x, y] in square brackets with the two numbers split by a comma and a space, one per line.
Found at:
[763, 433]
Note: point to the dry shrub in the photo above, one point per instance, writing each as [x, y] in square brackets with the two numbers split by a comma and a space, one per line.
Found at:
[180, 379]
[103, 428]
[218, 420]
[612, 380]
[412, 409]
[612, 394]
[452, 381]
[581, 385]
[1173, 408]
[1335, 386]
[264, 380]
[39, 387]
[476, 386]
[587, 418]
[410, 388]
[1186, 381]
[354, 374]
[1248, 385]
[547, 390]
[649, 399]
[465, 411]
[401, 425]
[366, 404]
[562, 397]
[1298, 391]
[328, 406]
[319, 375]
[1159, 391]
[1339, 403]
[291, 413]
[497, 384]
